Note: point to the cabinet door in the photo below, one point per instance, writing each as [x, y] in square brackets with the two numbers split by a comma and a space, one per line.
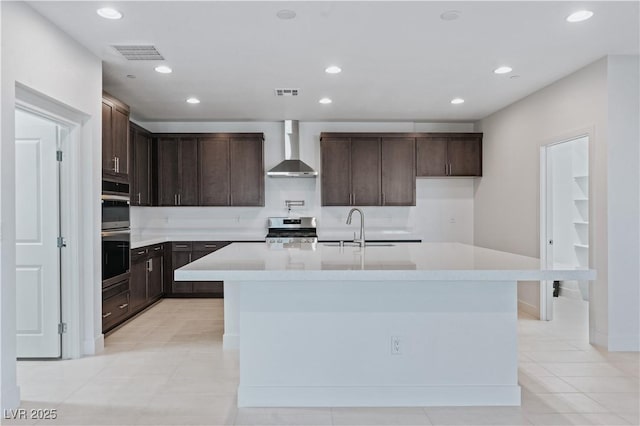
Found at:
[213, 170]
[154, 277]
[336, 171]
[188, 195]
[138, 284]
[365, 171]
[246, 168]
[465, 155]
[179, 259]
[168, 172]
[108, 162]
[398, 172]
[140, 168]
[121, 141]
[431, 156]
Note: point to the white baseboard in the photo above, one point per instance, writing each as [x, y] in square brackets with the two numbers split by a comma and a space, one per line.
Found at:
[377, 396]
[230, 341]
[627, 342]
[93, 346]
[529, 309]
[10, 399]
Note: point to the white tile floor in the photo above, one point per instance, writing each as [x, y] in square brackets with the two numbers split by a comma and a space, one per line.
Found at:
[167, 367]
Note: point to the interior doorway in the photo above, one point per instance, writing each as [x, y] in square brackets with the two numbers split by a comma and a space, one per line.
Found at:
[38, 146]
[565, 224]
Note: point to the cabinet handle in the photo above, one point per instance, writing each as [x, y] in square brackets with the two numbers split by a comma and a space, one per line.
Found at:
[189, 257]
[139, 202]
[175, 199]
[149, 265]
[115, 164]
[179, 199]
[210, 246]
[124, 305]
[108, 314]
[157, 248]
[141, 252]
[354, 199]
[181, 246]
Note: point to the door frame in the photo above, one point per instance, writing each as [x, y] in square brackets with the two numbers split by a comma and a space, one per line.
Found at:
[546, 286]
[70, 309]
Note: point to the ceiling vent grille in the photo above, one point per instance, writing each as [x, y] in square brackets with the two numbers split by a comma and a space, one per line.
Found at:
[139, 52]
[287, 92]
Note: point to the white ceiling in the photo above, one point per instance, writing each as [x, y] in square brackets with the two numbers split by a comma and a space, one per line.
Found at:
[400, 61]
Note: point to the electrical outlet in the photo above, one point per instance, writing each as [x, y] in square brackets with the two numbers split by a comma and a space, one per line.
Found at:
[396, 348]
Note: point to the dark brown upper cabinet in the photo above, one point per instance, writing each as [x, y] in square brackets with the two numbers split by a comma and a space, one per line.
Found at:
[115, 139]
[398, 159]
[350, 171]
[231, 170]
[177, 171]
[367, 170]
[141, 181]
[449, 154]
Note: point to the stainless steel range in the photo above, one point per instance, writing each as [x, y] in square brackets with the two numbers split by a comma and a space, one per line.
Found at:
[292, 232]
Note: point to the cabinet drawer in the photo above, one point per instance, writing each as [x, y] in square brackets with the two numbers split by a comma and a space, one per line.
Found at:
[181, 246]
[208, 245]
[139, 254]
[155, 249]
[114, 309]
[207, 287]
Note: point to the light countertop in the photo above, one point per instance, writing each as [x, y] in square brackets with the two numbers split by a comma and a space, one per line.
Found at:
[399, 262]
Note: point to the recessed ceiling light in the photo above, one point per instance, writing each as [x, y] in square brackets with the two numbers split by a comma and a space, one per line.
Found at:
[163, 69]
[333, 69]
[193, 101]
[109, 13]
[503, 70]
[286, 14]
[457, 101]
[579, 16]
[450, 15]
[325, 101]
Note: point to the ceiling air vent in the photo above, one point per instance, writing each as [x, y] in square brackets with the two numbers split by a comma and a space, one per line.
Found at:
[139, 52]
[287, 92]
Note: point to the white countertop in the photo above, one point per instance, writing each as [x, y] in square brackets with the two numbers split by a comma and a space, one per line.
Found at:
[400, 262]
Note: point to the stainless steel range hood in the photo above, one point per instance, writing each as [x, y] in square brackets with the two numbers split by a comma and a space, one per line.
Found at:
[292, 166]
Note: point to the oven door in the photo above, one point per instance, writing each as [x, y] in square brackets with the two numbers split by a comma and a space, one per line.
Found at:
[116, 246]
[115, 211]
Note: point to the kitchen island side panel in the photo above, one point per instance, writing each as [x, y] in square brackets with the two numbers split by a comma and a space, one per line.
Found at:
[315, 343]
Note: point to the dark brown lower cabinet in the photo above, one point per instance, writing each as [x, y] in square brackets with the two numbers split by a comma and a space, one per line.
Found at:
[115, 304]
[184, 252]
[142, 288]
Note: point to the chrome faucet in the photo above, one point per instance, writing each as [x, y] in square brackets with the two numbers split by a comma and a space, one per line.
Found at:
[360, 240]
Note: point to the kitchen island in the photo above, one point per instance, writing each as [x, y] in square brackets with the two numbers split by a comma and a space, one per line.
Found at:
[414, 324]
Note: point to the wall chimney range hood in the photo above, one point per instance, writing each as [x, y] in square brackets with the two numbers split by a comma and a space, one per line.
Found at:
[292, 166]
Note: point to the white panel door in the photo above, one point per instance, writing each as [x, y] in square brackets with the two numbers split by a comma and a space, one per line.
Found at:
[37, 229]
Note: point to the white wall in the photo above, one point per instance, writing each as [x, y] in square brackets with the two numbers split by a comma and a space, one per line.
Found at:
[443, 212]
[44, 59]
[622, 184]
[599, 100]
[507, 197]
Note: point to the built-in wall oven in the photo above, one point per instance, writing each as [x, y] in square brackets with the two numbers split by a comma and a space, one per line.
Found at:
[116, 234]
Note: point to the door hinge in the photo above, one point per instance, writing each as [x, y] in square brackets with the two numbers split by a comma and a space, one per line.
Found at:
[62, 328]
[61, 242]
[59, 155]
